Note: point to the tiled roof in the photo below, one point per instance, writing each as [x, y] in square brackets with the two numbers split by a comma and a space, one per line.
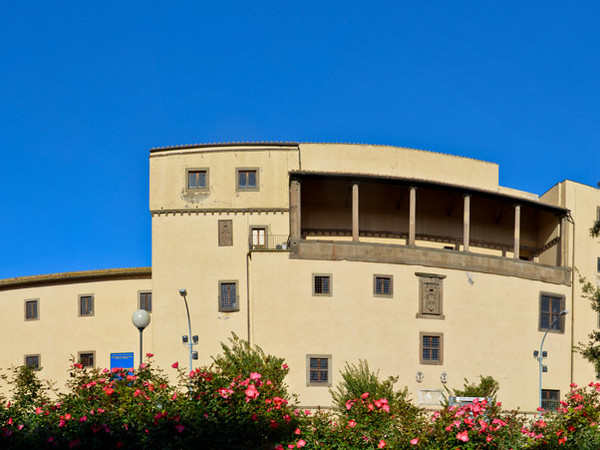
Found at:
[76, 277]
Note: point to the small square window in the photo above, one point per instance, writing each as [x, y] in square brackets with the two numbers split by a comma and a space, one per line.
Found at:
[86, 305]
[197, 179]
[432, 348]
[322, 284]
[383, 285]
[31, 310]
[146, 301]
[318, 370]
[32, 361]
[247, 179]
[550, 399]
[228, 298]
[87, 359]
[551, 306]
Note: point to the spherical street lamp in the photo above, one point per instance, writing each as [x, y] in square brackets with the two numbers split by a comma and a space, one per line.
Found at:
[141, 319]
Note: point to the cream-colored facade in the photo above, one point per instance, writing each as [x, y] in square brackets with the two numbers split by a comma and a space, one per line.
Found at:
[419, 262]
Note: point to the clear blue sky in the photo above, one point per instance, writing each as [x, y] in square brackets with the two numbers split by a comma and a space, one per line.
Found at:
[86, 89]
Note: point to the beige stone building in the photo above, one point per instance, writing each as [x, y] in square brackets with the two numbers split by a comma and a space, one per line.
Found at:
[419, 262]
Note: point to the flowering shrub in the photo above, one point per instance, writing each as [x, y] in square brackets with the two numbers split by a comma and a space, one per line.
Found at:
[241, 402]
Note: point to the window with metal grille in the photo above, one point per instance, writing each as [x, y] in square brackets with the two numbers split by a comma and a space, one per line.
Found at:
[31, 310]
[228, 299]
[550, 307]
[146, 301]
[86, 359]
[197, 179]
[550, 399]
[247, 179]
[321, 284]
[86, 305]
[32, 361]
[318, 372]
[382, 285]
[431, 348]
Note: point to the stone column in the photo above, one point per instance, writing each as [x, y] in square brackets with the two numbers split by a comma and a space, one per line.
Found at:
[466, 222]
[517, 249]
[412, 217]
[561, 254]
[295, 213]
[355, 212]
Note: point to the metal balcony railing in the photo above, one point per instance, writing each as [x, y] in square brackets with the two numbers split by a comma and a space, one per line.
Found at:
[268, 242]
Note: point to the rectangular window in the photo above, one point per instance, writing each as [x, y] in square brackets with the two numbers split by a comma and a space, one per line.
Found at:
[146, 301]
[432, 348]
[247, 179]
[318, 370]
[383, 285]
[228, 298]
[32, 361]
[86, 359]
[550, 307]
[321, 284]
[550, 399]
[259, 235]
[197, 179]
[86, 305]
[31, 310]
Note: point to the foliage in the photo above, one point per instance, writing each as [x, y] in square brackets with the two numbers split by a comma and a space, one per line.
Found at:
[487, 387]
[231, 405]
[591, 349]
[595, 230]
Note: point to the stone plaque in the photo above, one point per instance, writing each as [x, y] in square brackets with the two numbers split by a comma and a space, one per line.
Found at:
[430, 295]
[225, 233]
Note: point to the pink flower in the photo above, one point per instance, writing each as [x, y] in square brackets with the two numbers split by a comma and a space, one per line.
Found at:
[83, 419]
[251, 393]
[109, 391]
[352, 423]
[381, 444]
[365, 396]
[174, 396]
[298, 431]
[255, 376]
[301, 443]
[149, 355]
[284, 366]
[38, 410]
[489, 438]
[175, 365]
[179, 428]
[463, 436]
[414, 441]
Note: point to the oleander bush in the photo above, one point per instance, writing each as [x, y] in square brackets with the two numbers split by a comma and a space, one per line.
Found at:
[242, 402]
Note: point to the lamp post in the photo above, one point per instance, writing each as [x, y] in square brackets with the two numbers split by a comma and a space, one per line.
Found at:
[189, 339]
[141, 319]
[541, 355]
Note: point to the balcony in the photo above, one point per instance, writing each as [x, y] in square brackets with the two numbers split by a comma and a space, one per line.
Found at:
[262, 241]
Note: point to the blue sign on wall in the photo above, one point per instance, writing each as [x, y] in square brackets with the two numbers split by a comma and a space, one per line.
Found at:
[123, 360]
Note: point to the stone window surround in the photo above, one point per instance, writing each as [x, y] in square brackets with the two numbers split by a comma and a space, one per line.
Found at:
[37, 309]
[187, 178]
[429, 277]
[329, 370]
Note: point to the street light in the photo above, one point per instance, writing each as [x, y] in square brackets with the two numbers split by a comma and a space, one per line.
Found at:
[189, 339]
[542, 354]
[141, 319]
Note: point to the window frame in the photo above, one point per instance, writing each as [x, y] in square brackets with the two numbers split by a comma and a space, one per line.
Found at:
[37, 309]
[198, 170]
[33, 355]
[314, 284]
[140, 304]
[431, 362]
[389, 294]
[546, 398]
[562, 306]
[256, 171]
[237, 297]
[327, 383]
[90, 352]
[265, 243]
[80, 297]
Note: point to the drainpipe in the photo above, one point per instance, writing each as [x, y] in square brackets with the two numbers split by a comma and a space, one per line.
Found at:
[248, 258]
[570, 219]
